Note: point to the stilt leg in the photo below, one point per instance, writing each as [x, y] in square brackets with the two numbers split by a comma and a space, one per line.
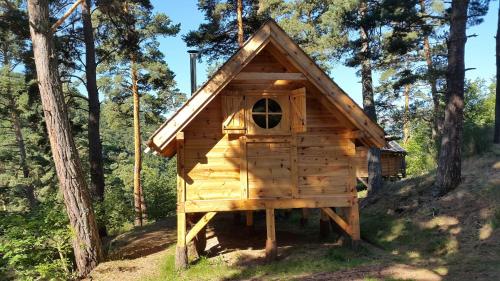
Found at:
[181, 249]
[271, 248]
[324, 225]
[353, 220]
[304, 218]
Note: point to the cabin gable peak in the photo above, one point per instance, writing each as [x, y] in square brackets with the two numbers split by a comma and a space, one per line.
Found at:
[298, 69]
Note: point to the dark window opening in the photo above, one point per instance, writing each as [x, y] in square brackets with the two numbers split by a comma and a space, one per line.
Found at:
[266, 113]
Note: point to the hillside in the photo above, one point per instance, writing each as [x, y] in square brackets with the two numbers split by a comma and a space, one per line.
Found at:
[408, 236]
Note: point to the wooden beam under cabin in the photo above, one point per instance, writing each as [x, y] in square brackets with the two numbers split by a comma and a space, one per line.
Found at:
[193, 206]
[338, 220]
[270, 76]
[199, 225]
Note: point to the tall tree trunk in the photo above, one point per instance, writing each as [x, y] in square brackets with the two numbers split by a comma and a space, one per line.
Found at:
[437, 117]
[95, 147]
[496, 137]
[29, 190]
[406, 116]
[86, 243]
[374, 164]
[239, 13]
[450, 158]
[138, 197]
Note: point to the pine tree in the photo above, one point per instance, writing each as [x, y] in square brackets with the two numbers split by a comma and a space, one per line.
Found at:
[128, 33]
[450, 154]
[86, 242]
[496, 137]
[218, 38]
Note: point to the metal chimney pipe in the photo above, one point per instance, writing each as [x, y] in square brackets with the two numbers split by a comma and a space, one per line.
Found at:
[193, 55]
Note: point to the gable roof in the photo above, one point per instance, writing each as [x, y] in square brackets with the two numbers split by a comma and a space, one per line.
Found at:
[394, 147]
[162, 140]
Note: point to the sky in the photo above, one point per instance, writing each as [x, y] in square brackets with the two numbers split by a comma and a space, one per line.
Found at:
[479, 52]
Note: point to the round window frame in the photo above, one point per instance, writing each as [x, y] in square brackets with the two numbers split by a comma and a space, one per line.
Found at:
[267, 113]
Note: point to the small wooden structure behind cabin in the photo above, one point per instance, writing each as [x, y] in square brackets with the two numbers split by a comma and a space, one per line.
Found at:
[269, 130]
[392, 157]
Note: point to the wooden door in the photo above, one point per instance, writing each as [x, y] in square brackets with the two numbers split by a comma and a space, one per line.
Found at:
[269, 170]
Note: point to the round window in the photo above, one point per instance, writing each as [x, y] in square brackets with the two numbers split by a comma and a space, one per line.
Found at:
[266, 113]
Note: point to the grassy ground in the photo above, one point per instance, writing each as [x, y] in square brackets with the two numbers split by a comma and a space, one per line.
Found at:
[408, 236]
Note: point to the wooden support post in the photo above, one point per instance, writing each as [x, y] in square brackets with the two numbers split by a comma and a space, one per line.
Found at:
[271, 248]
[304, 218]
[353, 220]
[324, 225]
[181, 259]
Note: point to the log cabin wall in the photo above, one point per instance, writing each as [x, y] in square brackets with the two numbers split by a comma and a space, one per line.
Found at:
[322, 159]
[392, 164]
[212, 159]
[325, 154]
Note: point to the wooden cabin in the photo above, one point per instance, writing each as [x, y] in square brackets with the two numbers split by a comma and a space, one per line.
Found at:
[392, 158]
[269, 130]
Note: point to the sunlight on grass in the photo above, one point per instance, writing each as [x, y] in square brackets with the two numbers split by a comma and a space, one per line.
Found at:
[296, 264]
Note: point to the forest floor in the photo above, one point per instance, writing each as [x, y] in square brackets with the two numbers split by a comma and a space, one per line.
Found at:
[408, 235]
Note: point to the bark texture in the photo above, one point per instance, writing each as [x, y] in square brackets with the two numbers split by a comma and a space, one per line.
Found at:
[496, 136]
[450, 155]
[138, 196]
[95, 146]
[239, 14]
[406, 116]
[437, 116]
[86, 243]
[374, 167]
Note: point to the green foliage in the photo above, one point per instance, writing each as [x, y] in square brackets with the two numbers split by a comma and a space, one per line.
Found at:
[35, 245]
[421, 151]
[217, 38]
[479, 117]
[160, 183]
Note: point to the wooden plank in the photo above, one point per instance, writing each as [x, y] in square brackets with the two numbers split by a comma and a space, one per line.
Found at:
[213, 194]
[270, 193]
[181, 173]
[199, 225]
[269, 76]
[341, 179]
[243, 168]
[338, 220]
[261, 204]
[299, 112]
[294, 166]
[307, 170]
[166, 133]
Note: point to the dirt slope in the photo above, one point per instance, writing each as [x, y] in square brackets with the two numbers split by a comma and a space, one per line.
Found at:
[409, 236]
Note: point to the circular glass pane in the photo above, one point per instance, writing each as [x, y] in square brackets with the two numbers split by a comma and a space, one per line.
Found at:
[273, 106]
[273, 120]
[260, 106]
[266, 113]
[260, 120]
